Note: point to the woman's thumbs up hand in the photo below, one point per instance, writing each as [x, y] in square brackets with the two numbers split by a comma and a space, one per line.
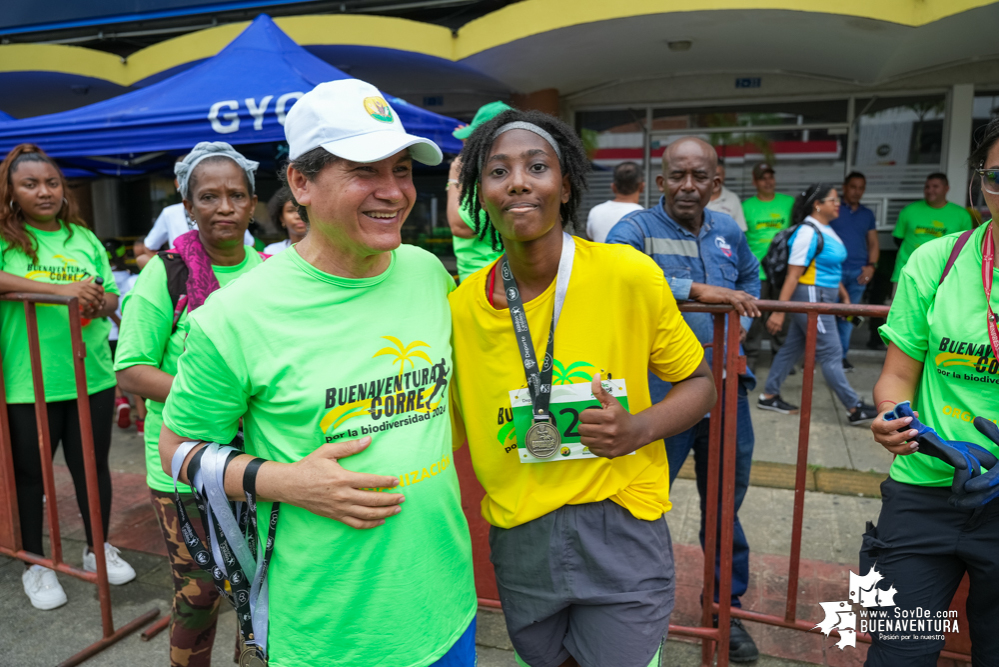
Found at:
[610, 430]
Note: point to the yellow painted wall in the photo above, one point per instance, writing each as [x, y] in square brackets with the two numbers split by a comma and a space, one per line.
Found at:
[533, 17]
[514, 22]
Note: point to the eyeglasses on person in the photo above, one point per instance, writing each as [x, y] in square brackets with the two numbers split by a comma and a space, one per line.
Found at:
[990, 180]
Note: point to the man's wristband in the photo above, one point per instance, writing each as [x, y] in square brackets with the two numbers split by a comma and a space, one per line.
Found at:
[250, 476]
[195, 465]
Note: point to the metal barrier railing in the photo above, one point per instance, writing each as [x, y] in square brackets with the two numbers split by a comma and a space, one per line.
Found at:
[726, 362]
[10, 533]
[723, 446]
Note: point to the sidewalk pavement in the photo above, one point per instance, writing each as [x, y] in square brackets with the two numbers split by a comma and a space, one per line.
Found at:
[833, 524]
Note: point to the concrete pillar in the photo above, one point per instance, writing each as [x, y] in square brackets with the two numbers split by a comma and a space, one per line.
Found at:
[958, 145]
[540, 100]
[106, 207]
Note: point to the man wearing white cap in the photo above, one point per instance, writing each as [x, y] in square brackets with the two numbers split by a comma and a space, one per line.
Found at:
[372, 559]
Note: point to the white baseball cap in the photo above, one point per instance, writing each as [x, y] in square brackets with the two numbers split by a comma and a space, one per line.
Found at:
[351, 119]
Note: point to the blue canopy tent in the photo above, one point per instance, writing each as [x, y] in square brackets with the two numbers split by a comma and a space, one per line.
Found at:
[5, 116]
[241, 95]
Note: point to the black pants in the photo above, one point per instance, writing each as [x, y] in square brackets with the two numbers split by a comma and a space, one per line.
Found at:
[64, 427]
[923, 547]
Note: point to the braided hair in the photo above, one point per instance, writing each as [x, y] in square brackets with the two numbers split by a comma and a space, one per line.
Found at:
[804, 203]
[574, 164]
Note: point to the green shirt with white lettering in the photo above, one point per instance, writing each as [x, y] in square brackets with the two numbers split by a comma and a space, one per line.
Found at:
[944, 328]
[763, 220]
[919, 222]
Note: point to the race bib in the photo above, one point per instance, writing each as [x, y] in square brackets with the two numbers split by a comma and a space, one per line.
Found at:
[567, 402]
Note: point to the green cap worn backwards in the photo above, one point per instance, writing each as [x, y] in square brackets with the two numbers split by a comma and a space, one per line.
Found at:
[485, 114]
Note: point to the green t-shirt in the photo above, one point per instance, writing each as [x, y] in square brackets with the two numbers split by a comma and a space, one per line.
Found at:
[763, 220]
[919, 222]
[945, 330]
[472, 254]
[145, 340]
[317, 358]
[62, 258]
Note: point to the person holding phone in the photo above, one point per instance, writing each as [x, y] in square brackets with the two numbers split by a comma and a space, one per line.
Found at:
[942, 350]
[46, 247]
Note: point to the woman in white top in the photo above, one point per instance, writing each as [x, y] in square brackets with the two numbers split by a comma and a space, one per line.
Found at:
[284, 214]
[814, 274]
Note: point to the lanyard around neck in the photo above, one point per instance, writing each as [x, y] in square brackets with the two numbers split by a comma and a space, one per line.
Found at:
[988, 265]
[539, 378]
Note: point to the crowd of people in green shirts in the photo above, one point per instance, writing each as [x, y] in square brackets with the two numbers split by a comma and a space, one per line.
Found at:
[347, 369]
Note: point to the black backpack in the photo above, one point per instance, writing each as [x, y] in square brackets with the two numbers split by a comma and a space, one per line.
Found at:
[774, 263]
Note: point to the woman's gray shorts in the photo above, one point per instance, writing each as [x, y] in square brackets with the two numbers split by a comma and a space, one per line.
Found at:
[588, 580]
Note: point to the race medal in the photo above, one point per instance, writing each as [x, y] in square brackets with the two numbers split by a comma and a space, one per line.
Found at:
[250, 657]
[542, 440]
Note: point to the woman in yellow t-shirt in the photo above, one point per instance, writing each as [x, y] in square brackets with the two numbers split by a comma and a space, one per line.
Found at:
[552, 345]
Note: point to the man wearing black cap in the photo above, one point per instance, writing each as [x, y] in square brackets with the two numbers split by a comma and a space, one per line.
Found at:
[766, 214]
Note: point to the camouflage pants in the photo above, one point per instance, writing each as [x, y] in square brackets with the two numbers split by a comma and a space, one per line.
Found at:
[195, 600]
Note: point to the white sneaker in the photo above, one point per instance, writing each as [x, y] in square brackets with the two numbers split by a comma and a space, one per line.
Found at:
[42, 587]
[119, 572]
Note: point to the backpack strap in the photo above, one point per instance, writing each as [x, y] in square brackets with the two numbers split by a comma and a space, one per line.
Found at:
[177, 274]
[820, 242]
[962, 240]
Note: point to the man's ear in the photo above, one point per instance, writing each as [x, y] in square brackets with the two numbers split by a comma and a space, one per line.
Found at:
[299, 186]
[661, 183]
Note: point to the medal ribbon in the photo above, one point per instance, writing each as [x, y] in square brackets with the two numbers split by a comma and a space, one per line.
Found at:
[222, 561]
[539, 379]
[988, 265]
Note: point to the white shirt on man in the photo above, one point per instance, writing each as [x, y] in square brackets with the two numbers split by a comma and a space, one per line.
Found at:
[729, 203]
[125, 280]
[604, 216]
[172, 223]
[275, 248]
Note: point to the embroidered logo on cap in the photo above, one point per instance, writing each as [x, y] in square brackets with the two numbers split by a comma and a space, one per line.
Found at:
[378, 109]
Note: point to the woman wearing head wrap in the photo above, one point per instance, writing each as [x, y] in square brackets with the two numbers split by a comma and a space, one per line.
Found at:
[575, 472]
[814, 274]
[284, 214]
[217, 184]
[45, 247]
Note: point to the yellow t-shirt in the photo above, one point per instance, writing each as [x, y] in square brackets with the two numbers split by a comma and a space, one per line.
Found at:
[619, 319]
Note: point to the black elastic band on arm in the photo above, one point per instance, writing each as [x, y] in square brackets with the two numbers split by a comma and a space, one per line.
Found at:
[250, 476]
[195, 465]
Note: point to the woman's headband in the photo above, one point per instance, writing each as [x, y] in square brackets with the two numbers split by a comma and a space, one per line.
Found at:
[530, 127]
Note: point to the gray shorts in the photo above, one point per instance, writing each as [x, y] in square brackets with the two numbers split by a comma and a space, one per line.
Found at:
[590, 581]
